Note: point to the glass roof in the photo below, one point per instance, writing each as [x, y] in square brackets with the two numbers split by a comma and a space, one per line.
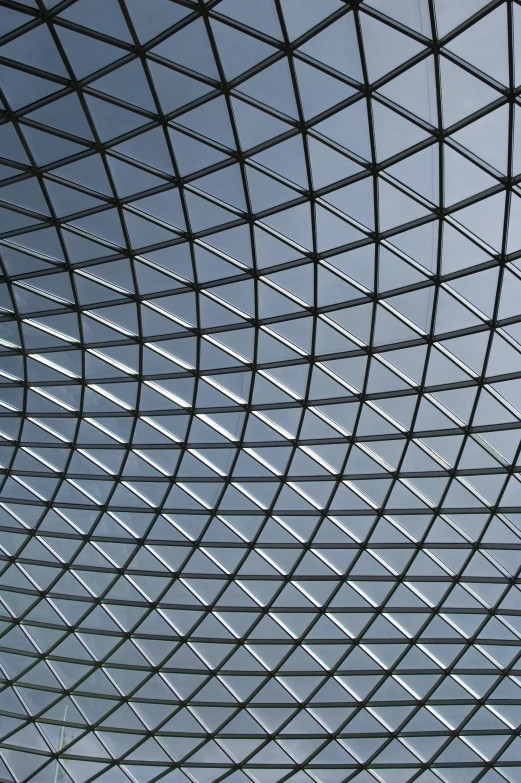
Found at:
[260, 391]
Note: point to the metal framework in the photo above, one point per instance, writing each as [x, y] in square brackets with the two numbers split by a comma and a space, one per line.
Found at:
[260, 383]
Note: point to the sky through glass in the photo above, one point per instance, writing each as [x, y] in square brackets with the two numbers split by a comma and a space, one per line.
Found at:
[260, 391]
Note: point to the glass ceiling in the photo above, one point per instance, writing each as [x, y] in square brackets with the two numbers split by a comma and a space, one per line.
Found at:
[260, 391]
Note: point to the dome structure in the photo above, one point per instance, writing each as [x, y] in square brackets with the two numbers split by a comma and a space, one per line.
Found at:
[260, 391]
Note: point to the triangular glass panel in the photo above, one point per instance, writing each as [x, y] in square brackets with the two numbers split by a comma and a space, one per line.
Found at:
[356, 201]
[485, 219]
[328, 165]
[349, 128]
[144, 233]
[396, 208]
[175, 89]
[393, 132]
[111, 120]
[420, 172]
[36, 48]
[318, 90]
[191, 48]
[205, 214]
[266, 192]
[238, 52]
[226, 185]
[212, 119]
[235, 242]
[462, 94]
[479, 289]
[27, 194]
[255, 126]
[484, 45]
[130, 179]
[337, 46]
[64, 114]
[14, 19]
[302, 15]
[67, 201]
[158, 16]
[87, 54]
[458, 252]
[191, 154]
[260, 87]
[105, 225]
[487, 138]
[393, 272]
[127, 83]
[22, 88]
[12, 148]
[411, 13]
[149, 148]
[415, 90]
[449, 15]
[269, 247]
[295, 223]
[263, 17]
[451, 315]
[286, 159]
[106, 17]
[48, 148]
[462, 178]
[385, 47]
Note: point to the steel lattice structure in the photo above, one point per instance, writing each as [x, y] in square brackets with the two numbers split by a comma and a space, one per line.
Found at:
[260, 384]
